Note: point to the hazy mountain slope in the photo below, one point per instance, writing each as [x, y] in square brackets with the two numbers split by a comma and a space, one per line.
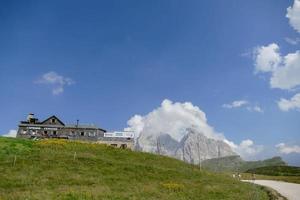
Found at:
[230, 163]
[236, 163]
[276, 171]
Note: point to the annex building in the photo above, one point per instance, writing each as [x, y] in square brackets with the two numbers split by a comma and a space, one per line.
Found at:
[53, 127]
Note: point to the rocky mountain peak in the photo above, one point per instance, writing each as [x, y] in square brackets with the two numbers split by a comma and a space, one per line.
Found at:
[193, 147]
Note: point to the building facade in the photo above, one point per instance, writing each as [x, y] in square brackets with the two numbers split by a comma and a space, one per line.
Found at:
[120, 139]
[53, 127]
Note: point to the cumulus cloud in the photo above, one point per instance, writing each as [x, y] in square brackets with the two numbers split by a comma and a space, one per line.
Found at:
[235, 104]
[267, 58]
[246, 149]
[287, 76]
[293, 14]
[175, 118]
[290, 104]
[11, 133]
[284, 70]
[135, 124]
[56, 81]
[285, 149]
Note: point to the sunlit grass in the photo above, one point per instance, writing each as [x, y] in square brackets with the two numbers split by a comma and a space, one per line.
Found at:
[61, 169]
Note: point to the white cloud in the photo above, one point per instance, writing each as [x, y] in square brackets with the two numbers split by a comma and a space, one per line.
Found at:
[287, 76]
[57, 82]
[293, 14]
[247, 149]
[285, 149]
[258, 109]
[255, 109]
[247, 53]
[175, 118]
[292, 41]
[11, 133]
[293, 103]
[284, 70]
[267, 58]
[235, 104]
[135, 124]
[245, 104]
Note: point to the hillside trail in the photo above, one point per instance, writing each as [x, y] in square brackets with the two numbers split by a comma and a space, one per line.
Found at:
[289, 190]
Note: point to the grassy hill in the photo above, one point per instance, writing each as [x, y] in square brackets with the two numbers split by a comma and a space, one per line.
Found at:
[276, 171]
[290, 179]
[50, 169]
[226, 164]
[235, 163]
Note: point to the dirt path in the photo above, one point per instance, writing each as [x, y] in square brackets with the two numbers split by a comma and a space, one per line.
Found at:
[289, 190]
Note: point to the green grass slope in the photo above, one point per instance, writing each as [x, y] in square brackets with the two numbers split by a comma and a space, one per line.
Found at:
[50, 169]
[224, 164]
[235, 163]
[276, 171]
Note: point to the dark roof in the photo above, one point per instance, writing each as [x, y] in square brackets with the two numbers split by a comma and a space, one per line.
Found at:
[53, 116]
[26, 122]
[42, 125]
[89, 126]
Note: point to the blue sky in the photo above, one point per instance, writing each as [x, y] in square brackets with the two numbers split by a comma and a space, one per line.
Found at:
[115, 59]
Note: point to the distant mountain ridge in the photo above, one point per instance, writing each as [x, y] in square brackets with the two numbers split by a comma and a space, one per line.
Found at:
[236, 163]
[193, 148]
[276, 170]
[196, 148]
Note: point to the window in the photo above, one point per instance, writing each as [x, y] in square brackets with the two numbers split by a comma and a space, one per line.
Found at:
[54, 132]
[53, 120]
[82, 133]
[92, 134]
[123, 146]
[45, 132]
[114, 145]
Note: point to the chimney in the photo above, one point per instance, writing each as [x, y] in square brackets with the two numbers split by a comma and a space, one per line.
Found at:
[30, 118]
[77, 123]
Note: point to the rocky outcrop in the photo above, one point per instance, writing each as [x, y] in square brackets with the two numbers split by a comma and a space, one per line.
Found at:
[193, 147]
[196, 147]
